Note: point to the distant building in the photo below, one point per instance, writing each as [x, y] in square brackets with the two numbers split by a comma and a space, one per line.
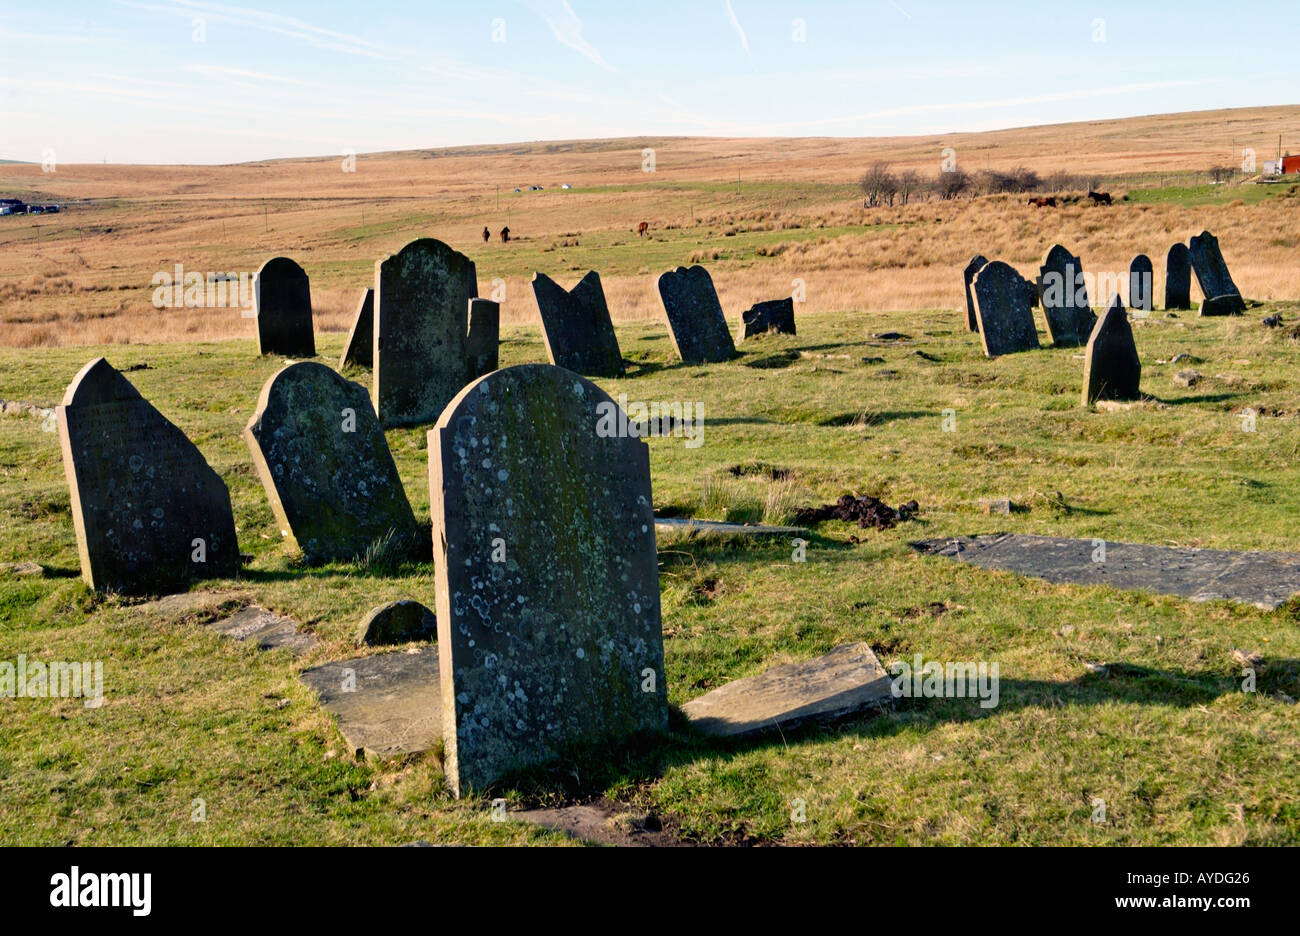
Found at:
[1290, 165]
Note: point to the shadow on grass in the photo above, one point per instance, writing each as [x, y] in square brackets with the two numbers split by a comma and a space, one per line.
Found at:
[1201, 398]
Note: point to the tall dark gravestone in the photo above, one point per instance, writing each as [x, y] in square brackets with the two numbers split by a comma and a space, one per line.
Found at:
[1004, 310]
[1221, 293]
[549, 629]
[422, 296]
[484, 341]
[1065, 298]
[1178, 278]
[1111, 368]
[150, 515]
[977, 263]
[1141, 284]
[775, 315]
[695, 320]
[359, 351]
[282, 307]
[576, 326]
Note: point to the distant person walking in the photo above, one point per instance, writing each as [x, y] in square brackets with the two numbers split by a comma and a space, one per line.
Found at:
[505, 235]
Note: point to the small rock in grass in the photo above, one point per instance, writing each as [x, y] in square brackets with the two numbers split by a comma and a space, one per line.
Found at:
[1187, 378]
[997, 505]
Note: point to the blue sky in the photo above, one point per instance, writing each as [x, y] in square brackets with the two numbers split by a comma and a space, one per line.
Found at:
[183, 81]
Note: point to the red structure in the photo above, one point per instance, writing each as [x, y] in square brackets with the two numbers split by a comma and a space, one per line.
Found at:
[1290, 164]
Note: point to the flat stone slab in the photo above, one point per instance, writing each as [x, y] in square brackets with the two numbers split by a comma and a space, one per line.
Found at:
[1263, 579]
[841, 682]
[270, 630]
[390, 703]
[722, 528]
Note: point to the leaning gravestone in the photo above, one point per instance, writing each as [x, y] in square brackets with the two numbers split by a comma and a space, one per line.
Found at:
[1111, 368]
[1065, 298]
[1003, 309]
[282, 307]
[576, 326]
[1213, 277]
[548, 613]
[695, 320]
[1141, 284]
[978, 262]
[776, 315]
[150, 514]
[1178, 278]
[422, 296]
[359, 351]
[326, 467]
[483, 343]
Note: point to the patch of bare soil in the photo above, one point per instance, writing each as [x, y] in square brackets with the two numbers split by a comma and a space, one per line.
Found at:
[866, 511]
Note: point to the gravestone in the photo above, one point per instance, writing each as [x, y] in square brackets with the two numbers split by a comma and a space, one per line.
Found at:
[776, 315]
[1065, 298]
[1212, 275]
[359, 351]
[978, 262]
[484, 341]
[422, 296]
[1003, 310]
[282, 307]
[1223, 305]
[1111, 367]
[324, 462]
[397, 622]
[1141, 284]
[547, 585]
[150, 514]
[695, 320]
[1178, 278]
[576, 326]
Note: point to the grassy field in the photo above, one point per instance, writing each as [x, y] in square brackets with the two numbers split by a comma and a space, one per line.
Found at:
[1164, 736]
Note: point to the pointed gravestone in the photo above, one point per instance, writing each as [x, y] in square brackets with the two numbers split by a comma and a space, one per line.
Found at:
[325, 464]
[1005, 314]
[548, 614]
[576, 326]
[776, 315]
[1141, 284]
[150, 514]
[1065, 298]
[483, 343]
[422, 296]
[978, 262]
[282, 307]
[1178, 278]
[1111, 368]
[360, 348]
[1213, 277]
[695, 320]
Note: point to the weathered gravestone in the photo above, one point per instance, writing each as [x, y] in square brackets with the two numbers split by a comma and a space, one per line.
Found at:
[1213, 277]
[484, 341]
[422, 296]
[548, 613]
[282, 307]
[1111, 367]
[776, 315]
[576, 326]
[150, 514]
[1178, 278]
[326, 467]
[1065, 298]
[1003, 309]
[695, 320]
[359, 351]
[1141, 284]
[978, 262]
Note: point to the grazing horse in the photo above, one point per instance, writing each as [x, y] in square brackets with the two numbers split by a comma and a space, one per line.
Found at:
[487, 235]
[642, 229]
[1048, 201]
[505, 235]
[1100, 198]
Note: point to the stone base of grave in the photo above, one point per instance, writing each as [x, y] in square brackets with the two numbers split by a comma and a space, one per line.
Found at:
[720, 528]
[268, 629]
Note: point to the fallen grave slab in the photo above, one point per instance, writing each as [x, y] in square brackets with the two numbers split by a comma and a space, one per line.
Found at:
[834, 685]
[1263, 579]
[722, 528]
[387, 704]
[270, 630]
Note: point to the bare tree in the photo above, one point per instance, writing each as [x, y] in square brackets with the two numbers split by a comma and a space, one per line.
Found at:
[879, 184]
[909, 181]
[950, 185]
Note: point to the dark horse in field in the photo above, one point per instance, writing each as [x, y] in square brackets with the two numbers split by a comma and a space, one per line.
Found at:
[1100, 198]
[642, 229]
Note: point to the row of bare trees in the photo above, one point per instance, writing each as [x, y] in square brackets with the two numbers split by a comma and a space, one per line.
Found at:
[882, 186]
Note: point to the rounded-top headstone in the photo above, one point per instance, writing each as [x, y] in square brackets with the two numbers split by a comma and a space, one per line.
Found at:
[282, 304]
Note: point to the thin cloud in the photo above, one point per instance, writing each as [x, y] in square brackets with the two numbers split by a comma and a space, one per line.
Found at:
[567, 29]
[740, 30]
[234, 74]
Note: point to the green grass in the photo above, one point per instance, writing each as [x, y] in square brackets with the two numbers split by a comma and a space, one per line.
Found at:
[1197, 195]
[1165, 737]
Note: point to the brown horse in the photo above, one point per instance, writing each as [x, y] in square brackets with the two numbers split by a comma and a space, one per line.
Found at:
[487, 235]
[642, 229]
[1048, 201]
[505, 235]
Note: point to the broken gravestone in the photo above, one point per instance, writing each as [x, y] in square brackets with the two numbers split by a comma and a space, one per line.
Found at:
[1178, 278]
[150, 514]
[282, 307]
[422, 296]
[1065, 298]
[1111, 367]
[326, 467]
[397, 622]
[547, 580]
[776, 315]
[484, 340]
[978, 262]
[1005, 314]
[695, 320]
[359, 351]
[1213, 277]
[1141, 284]
[576, 326]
